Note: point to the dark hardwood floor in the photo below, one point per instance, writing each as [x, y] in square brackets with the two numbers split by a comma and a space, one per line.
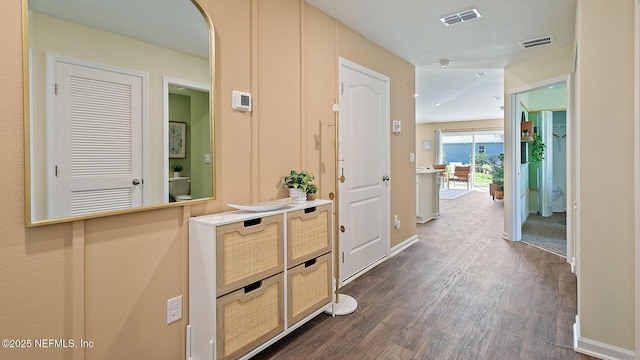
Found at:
[461, 292]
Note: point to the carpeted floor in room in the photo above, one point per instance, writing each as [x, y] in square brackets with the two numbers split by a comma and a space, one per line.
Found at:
[547, 233]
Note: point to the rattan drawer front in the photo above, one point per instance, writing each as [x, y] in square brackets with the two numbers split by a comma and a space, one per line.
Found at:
[248, 251]
[309, 288]
[308, 234]
[246, 320]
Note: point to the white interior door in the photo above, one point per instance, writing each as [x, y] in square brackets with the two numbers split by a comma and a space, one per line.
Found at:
[98, 154]
[546, 166]
[364, 163]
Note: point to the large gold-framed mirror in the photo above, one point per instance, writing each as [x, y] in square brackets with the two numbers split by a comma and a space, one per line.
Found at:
[118, 93]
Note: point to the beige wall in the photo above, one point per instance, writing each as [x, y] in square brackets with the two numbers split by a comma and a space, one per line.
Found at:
[605, 122]
[552, 65]
[605, 73]
[107, 280]
[427, 131]
[354, 47]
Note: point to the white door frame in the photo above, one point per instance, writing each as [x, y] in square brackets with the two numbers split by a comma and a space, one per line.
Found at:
[387, 144]
[513, 221]
[51, 59]
[637, 170]
[166, 82]
[545, 174]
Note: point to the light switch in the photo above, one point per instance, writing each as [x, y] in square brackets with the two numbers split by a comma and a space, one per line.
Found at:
[412, 157]
[207, 158]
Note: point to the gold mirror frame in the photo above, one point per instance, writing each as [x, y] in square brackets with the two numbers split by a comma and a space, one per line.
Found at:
[29, 222]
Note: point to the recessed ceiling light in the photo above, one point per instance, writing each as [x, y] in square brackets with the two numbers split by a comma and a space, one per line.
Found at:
[460, 17]
[481, 74]
[497, 98]
[437, 104]
[445, 62]
[416, 95]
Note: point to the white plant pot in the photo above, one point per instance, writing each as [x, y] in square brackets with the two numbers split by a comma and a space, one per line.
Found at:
[176, 174]
[301, 196]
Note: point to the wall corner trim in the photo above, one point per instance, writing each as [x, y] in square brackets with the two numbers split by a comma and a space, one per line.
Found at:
[598, 349]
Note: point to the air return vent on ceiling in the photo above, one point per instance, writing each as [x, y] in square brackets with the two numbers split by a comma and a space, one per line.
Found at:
[545, 40]
[460, 17]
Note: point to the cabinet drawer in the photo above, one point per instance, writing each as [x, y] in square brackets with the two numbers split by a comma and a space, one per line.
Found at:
[308, 234]
[249, 316]
[309, 287]
[248, 251]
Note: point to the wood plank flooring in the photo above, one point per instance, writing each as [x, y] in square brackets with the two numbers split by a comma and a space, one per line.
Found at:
[461, 292]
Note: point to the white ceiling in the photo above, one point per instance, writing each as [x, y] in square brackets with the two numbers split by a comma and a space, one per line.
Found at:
[412, 30]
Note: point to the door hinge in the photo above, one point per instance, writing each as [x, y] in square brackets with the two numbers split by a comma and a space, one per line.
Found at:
[56, 170]
[55, 89]
[343, 257]
[341, 88]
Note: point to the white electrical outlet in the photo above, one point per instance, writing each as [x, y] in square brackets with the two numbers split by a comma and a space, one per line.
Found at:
[396, 222]
[174, 309]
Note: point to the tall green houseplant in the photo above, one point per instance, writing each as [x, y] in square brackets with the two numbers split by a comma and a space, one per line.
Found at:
[496, 188]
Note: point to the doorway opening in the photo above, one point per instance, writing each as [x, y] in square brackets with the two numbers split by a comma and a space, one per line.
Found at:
[545, 222]
[475, 149]
[186, 107]
[533, 188]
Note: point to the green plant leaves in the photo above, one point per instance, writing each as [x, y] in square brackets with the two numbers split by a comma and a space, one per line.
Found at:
[299, 180]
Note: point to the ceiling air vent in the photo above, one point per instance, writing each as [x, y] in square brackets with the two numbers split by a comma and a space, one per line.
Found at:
[460, 17]
[545, 40]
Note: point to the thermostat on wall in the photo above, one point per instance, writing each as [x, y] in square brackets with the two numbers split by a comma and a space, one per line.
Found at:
[241, 101]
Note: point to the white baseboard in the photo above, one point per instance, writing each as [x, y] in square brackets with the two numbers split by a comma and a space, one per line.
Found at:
[598, 349]
[573, 265]
[403, 245]
[362, 272]
[393, 252]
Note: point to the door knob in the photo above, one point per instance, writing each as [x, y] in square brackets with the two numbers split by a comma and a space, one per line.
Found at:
[342, 229]
[385, 178]
[136, 182]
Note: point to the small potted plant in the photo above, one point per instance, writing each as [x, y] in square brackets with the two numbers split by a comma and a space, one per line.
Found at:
[298, 184]
[312, 191]
[177, 168]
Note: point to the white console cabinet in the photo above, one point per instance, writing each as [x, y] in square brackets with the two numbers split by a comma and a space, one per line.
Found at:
[427, 195]
[256, 276]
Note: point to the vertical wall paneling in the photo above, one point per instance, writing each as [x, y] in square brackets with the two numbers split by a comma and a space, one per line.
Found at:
[184, 268]
[319, 61]
[256, 103]
[77, 291]
[303, 88]
[637, 172]
[279, 90]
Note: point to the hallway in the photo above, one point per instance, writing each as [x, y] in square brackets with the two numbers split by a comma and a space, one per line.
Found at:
[461, 292]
